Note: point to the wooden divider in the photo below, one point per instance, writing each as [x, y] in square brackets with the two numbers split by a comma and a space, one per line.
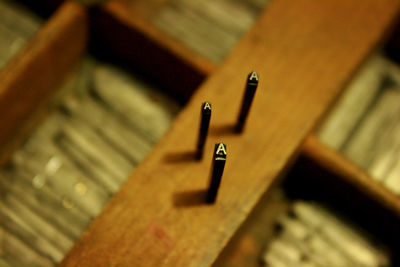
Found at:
[304, 51]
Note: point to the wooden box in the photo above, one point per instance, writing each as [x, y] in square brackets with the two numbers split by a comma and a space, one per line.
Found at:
[305, 53]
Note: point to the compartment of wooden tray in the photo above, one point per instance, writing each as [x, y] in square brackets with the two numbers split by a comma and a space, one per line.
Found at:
[347, 167]
[31, 81]
[116, 27]
[261, 228]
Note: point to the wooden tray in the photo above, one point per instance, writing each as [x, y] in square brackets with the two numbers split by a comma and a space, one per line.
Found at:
[304, 51]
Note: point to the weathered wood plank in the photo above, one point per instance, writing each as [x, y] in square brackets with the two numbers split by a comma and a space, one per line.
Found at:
[305, 52]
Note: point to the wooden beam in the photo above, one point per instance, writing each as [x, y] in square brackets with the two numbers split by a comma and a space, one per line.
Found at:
[28, 80]
[305, 51]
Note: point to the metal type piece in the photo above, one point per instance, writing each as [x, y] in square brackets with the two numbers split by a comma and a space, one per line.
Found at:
[217, 169]
[251, 86]
[204, 125]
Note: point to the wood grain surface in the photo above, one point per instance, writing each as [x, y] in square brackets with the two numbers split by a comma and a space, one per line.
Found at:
[305, 51]
[29, 79]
